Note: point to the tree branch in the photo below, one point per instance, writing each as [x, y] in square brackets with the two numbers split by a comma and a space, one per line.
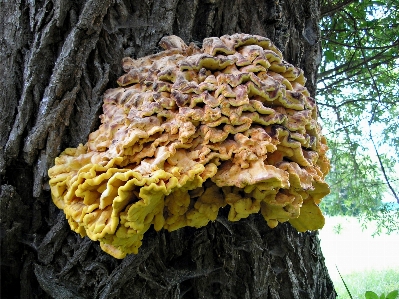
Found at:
[371, 120]
[394, 44]
[358, 63]
[345, 30]
[327, 10]
[345, 103]
[383, 168]
[357, 71]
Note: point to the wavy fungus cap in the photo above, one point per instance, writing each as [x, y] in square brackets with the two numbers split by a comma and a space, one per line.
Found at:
[190, 131]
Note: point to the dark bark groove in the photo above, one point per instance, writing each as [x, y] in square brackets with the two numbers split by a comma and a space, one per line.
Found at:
[57, 59]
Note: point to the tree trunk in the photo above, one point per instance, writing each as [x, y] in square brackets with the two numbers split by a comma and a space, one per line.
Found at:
[57, 59]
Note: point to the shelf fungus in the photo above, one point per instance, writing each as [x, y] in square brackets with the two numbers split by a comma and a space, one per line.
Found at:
[190, 131]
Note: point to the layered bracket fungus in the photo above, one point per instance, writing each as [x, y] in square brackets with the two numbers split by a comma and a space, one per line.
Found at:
[190, 131]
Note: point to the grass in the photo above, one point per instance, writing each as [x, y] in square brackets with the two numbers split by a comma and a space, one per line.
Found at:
[366, 263]
[378, 281]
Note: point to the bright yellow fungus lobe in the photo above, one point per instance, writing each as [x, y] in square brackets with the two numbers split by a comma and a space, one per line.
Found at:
[190, 131]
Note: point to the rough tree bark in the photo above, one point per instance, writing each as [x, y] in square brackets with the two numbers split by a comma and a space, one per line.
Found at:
[57, 59]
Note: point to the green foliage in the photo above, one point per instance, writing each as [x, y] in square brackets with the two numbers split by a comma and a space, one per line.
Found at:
[338, 228]
[358, 97]
[372, 295]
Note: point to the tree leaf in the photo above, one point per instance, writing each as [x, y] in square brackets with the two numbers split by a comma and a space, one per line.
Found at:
[370, 295]
[329, 55]
[392, 295]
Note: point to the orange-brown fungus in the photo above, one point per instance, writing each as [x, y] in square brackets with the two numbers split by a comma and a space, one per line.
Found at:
[190, 131]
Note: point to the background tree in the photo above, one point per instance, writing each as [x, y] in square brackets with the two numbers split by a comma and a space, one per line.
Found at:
[57, 59]
[358, 96]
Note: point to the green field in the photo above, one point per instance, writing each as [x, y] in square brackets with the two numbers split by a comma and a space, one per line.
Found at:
[366, 263]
